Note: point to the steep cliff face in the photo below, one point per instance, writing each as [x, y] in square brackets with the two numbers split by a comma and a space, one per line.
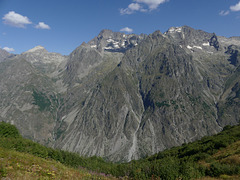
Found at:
[126, 96]
[27, 99]
[157, 97]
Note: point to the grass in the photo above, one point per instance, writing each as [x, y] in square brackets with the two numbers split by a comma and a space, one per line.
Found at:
[212, 157]
[17, 165]
[228, 157]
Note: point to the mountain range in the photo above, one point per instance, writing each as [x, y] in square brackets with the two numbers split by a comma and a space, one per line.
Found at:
[124, 96]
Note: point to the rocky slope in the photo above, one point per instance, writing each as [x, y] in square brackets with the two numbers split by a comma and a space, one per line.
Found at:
[125, 96]
[4, 55]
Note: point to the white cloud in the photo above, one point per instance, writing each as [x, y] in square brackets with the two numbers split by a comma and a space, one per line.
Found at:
[152, 4]
[138, 6]
[42, 25]
[126, 29]
[131, 8]
[235, 7]
[134, 6]
[16, 20]
[8, 49]
[224, 13]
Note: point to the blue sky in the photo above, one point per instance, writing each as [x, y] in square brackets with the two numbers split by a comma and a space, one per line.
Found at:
[62, 25]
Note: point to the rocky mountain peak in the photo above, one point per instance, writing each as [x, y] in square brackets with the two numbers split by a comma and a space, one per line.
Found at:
[174, 30]
[36, 49]
[43, 60]
[110, 41]
[3, 54]
[106, 33]
[124, 96]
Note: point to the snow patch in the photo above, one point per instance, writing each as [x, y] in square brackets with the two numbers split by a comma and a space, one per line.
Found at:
[198, 47]
[173, 29]
[108, 47]
[179, 29]
[206, 44]
[110, 40]
[116, 46]
[93, 46]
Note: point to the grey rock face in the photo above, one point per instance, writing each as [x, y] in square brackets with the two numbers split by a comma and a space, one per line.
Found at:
[4, 55]
[43, 60]
[115, 41]
[19, 106]
[122, 96]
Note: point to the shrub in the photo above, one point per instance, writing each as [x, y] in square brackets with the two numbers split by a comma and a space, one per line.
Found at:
[8, 130]
[3, 171]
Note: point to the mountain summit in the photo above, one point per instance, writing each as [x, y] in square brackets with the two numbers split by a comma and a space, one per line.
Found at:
[123, 96]
[37, 48]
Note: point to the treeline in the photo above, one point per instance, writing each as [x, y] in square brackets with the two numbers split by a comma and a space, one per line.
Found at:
[193, 160]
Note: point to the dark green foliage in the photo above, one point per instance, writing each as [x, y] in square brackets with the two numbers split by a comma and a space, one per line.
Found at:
[41, 100]
[216, 169]
[162, 104]
[168, 168]
[175, 163]
[205, 106]
[3, 171]
[8, 130]
[194, 100]
[227, 127]
[190, 170]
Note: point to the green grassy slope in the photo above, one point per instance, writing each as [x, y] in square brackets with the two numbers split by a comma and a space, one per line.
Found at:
[216, 156]
[16, 165]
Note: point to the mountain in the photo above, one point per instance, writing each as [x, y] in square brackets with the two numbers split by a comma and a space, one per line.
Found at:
[4, 55]
[43, 60]
[123, 96]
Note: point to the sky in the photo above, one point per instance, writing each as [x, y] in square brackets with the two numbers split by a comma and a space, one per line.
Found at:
[63, 25]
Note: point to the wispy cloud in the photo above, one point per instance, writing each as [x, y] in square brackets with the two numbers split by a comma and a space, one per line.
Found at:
[126, 29]
[8, 49]
[235, 7]
[131, 8]
[16, 20]
[142, 6]
[42, 25]
[152, 4]
[224, 13]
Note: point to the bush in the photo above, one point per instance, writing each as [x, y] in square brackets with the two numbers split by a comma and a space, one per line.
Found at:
[8, 130]
[217, 169]
[189, 170]
[169, 168]
[3, 171]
